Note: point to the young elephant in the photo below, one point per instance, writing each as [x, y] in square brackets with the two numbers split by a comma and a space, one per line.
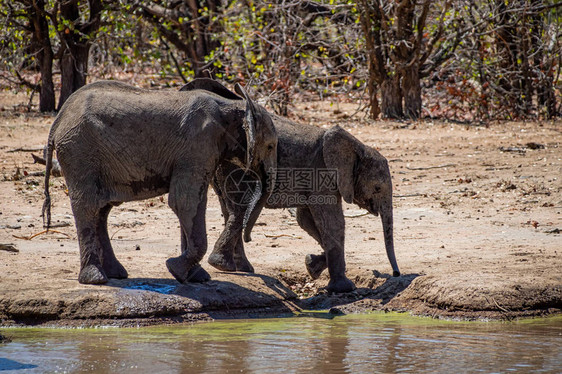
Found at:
[363, 177]
[118, 143]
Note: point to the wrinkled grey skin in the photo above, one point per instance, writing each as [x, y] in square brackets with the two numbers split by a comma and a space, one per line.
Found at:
[363, 178]
[117, 143]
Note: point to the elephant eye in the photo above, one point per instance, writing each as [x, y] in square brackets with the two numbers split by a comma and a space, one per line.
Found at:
[270, 147]
[377, 189]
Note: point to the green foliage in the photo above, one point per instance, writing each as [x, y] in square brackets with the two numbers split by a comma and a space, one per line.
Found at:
[278, 48]
[14, 43]
[281, 48]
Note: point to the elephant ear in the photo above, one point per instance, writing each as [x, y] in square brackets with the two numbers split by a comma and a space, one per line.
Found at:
[340, 153]
[210, 85]
[249, 124]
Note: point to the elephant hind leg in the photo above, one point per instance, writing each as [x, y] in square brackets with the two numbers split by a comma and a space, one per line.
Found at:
[330, 223]
[315, 264]
[86, 217]
[240, 259]
[112, 267]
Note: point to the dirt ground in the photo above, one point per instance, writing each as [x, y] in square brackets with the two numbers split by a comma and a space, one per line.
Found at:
[477, 233]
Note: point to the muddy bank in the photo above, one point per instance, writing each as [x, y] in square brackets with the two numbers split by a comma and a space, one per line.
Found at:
[477, 230]
[149, 301]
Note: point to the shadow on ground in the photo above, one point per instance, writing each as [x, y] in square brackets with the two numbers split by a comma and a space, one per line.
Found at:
[371, 294]
[236, 296]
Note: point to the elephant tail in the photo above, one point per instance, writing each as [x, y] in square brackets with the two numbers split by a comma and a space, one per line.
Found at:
[46, 211]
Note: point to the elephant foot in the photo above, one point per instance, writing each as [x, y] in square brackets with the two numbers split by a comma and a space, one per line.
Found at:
[315, 265]
[179, 267]
[340, 285]
[92, 274]
[115, 270]
[243, 265]
[198, 275]
[221, 262]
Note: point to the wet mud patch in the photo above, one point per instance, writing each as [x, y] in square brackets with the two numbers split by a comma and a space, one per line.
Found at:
[133, 302]
[147, 285]
[374, 291]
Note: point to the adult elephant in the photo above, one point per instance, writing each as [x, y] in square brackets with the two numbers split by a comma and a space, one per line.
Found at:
[340, 167]
[118, 143]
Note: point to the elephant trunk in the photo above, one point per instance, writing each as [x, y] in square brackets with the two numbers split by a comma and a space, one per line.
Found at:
[256, 195]
[388, 228]
[251, 217]
[264, 189]
[267, 190]
[270, 166]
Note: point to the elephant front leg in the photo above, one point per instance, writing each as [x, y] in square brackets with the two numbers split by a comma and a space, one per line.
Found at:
[198, 242]
[191, 213]
[330, 222]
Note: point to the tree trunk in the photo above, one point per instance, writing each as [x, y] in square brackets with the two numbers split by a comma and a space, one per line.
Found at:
[545, 95]
[373, 99]
[47, 93]
[391, 98]
[76, 44]
[74, 70]
[543, 66]
[372, 85]
[41, 45]
[371, 24]
[411, 90]
[508, 49]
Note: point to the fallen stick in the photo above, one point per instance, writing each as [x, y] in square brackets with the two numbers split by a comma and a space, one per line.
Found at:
[116, 231]
[23, 149]
[55, 170]
[35, 174]
[499, 306]
[60, 224]
[431, 167]
[9, 248]
[498, 168]
[513, 149]
[281, 235]
[40, 233]
[356, 215]
[410, 195]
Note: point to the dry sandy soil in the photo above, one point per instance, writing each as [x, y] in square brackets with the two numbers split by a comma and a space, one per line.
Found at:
[477, 232]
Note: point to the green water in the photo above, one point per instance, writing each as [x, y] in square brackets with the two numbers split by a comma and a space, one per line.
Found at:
[377, 343]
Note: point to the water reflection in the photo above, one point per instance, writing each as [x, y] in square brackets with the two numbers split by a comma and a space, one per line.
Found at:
[351, 344]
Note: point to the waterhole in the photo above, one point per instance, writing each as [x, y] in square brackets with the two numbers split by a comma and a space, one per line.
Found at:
[350, 344]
